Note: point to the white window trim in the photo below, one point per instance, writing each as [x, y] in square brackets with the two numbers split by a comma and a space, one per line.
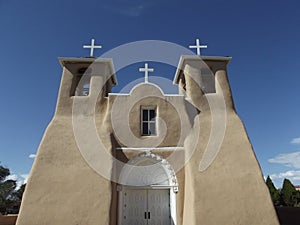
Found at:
[149, 107]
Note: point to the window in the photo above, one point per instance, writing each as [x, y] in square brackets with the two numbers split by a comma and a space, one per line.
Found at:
[148, 126]
[86, 90]
[81, 82]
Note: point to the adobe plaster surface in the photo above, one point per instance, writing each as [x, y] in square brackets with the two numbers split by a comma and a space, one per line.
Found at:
[64, 188]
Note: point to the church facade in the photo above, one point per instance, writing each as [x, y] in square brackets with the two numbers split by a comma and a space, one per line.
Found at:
[146, 157]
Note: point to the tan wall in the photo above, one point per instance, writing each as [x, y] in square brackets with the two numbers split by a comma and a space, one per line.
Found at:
[232, 189]
[169, 110]
[64, 189]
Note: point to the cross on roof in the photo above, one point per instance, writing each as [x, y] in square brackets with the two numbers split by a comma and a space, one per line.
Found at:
[92, 47]
[198, 46]
[146, 70]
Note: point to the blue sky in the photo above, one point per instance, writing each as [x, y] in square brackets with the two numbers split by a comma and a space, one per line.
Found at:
[261, 36]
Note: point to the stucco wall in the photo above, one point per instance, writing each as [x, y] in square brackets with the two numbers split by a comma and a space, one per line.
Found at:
[65, 186]
[231, 189]
[62, 187]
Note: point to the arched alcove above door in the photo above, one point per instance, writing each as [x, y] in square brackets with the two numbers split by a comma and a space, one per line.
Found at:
[147, 191]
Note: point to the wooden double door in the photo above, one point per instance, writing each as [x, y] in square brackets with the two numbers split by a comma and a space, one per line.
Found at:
[146, 207]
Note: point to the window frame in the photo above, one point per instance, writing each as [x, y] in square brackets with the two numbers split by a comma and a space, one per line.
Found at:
[142, 121]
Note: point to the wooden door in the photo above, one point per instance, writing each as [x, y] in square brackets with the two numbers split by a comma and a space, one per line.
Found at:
[134, 207]
[146, 207]
[159, 207]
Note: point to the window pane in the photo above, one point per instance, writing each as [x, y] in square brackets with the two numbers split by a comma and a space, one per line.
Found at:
[148, 122]
[152, 129]
[152, 114]
[145, 115]
[145, 129]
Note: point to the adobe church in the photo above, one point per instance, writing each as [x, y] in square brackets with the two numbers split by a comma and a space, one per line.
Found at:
[146, 157]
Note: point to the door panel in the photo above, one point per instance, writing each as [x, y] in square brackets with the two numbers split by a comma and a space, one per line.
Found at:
[159, 207]
[134, 207]
[146, 207]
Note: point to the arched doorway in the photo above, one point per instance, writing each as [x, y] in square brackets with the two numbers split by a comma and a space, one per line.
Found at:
[147, 192]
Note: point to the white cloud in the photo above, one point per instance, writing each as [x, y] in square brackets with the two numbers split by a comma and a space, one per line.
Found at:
[20, 179]
[32, 156]
[289, 159]
[295, 174]
[295, 141]
[292, 175]
[25, 178]
[12, 177]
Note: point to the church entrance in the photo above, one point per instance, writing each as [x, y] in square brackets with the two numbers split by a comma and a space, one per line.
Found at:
[146, 207]
[147, 192]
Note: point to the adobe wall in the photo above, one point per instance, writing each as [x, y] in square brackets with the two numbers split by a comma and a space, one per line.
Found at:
[230, 189]
[62, 187]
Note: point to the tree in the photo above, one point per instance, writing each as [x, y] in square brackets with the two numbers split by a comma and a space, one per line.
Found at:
[298, 198]
[18, 194]
[275, 194]
[4, 172]
[288, 193]
[7, 187]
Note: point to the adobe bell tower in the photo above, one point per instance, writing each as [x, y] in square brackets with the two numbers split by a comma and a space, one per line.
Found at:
[223, 180]
[62, 188]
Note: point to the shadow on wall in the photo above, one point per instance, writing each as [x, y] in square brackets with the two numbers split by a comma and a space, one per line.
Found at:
[8, 220]
[288, 215]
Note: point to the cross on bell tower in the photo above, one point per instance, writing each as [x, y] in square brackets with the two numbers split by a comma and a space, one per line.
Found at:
[92, 47]
[146, 70]
[198, 46]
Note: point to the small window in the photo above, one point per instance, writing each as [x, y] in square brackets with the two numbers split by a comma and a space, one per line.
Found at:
[86, 90]
[82, 89]
[148, 126]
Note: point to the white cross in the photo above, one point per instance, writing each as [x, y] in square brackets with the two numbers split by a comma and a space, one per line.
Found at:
[146, 70]
[92, 47]
[198, 46]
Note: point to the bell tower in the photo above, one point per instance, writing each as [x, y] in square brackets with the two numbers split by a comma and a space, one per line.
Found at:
[62, 188]
[223, 179]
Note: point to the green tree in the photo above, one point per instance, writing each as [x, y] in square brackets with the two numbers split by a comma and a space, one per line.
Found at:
[298, 198]
[288, 193]
[18, 194]
[4, 172]
[275, 194]
[7, 188]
